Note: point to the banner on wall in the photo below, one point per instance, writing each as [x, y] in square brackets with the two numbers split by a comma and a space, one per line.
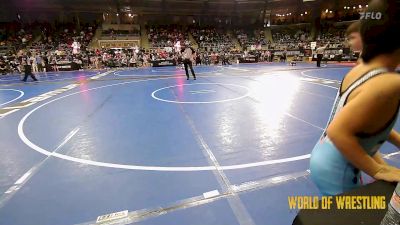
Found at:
[164, 62]
[313, 45]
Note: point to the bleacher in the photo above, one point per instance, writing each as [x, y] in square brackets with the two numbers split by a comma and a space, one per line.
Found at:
[249, 38]
[112, 34]
[119, 36]
[166, 36]
[212, 39]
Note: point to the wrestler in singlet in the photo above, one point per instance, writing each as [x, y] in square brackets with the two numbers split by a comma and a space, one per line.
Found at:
[330, 170]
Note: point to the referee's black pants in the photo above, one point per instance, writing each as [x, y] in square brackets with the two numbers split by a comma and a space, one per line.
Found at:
[188, 63]
[319, 59]
[28, 72]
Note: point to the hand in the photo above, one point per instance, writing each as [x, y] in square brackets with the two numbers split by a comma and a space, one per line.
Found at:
[388, 173]
[391, 167]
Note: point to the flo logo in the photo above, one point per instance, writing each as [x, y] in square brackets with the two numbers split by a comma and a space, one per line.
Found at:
[370, 15]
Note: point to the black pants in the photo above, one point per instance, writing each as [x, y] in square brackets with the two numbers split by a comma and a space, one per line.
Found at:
[186, 63]
[226, 62]
[40, 67]
[319, 59]
[28, 72]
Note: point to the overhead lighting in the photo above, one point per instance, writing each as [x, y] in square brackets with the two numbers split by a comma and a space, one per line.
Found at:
[330, 12]
[359, 6]
[345, 7]
[129, 14]
[326, 10]
[305, 12]
[366, 6]
[117, 14]
[301, 14]
[354, 7]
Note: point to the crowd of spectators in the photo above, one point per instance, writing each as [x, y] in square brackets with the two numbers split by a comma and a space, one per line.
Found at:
[248, 38]
[333, 36]
[166, 36]
[53, 47]
[290, 39]
[284, 36]
[16, 34]
[119, 34]
[211, 39]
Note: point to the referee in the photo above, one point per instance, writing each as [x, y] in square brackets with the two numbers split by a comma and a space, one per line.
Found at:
[320, 53]
[187, 55]
[28, 70]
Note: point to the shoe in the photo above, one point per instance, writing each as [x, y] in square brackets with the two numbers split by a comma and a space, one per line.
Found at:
[195, 78]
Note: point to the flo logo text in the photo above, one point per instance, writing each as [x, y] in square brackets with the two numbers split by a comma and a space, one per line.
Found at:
[370, 15]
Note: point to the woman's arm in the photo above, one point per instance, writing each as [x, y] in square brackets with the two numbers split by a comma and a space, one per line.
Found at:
[394, 138]
[364, 114]
[378, 158]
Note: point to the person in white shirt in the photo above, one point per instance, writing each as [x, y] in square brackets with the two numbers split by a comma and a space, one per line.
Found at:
[54, 62]
[34, 64]
[132, 62]
[145, 60]
[187, 56]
